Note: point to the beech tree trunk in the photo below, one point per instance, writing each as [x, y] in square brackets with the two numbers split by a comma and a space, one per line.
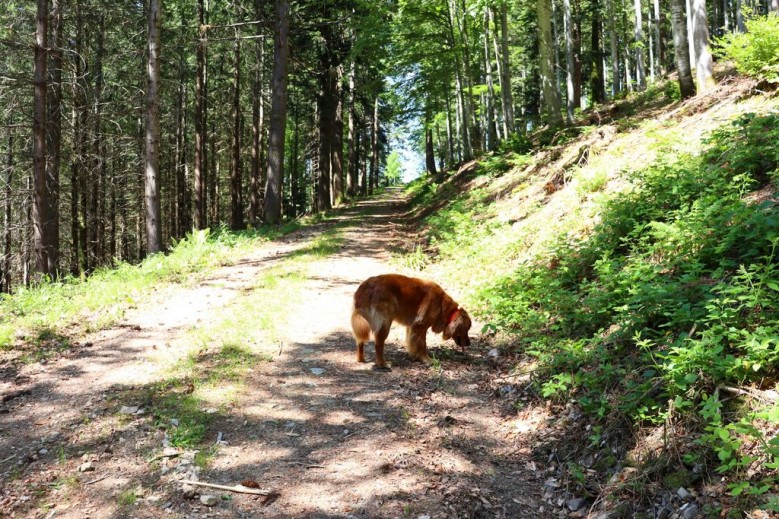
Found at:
[704, 65]
[491, 130]
[505, 72]
[616, 77]
[682, 49]
[152, 161]
[278, 116]
[639, 35]
[568, 30]
[545, 50]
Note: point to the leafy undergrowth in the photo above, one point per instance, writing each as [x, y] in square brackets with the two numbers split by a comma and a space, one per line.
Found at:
[637, 270]
[40, 318]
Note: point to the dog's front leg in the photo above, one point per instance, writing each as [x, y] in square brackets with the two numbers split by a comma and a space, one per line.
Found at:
[381, 336]
[416, 343]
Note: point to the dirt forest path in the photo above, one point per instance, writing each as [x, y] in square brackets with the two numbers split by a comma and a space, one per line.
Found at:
[329, 437]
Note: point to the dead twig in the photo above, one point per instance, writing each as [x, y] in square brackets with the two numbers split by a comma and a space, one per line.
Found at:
[101, 478]
[240, 489]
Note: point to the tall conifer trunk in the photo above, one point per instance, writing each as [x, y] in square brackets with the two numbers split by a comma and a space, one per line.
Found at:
[278, 117]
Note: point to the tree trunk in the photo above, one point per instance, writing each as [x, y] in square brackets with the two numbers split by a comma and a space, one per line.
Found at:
[152, 160]
[258, 136]
[682, 49]
[352, 181]
[616, 77]
[505, 72]
[639, 35]
[5, 281]
[41, 202]
[429, 152]
[462, 105]
[200, 123]
[545, 50]
[577, 54]
[236, 202]
[449, 132]
[491, 130]
[278, 116]
[374, 174]
[597, 78]
[337, 150]
[326, 114]
[704, 65]
[658, 39]
[54, 140]
[691, 33]
[568, 29]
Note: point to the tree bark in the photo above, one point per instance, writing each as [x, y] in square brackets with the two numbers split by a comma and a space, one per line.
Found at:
[492, 140]
[429, 152]
[682, 49]
[337, 151]
[236, 201]
[41, 203]
[616, 77]
[374, 173]
[704, 65]
[545, 49]
[54, 120]
[351, 168]
[639, 35]
[691, 33]
[200, 123]
[258, 136]
[597, 78]
[5, 281]
[505, 72]
[568, 29]
[278, 116]
[152, 160]
[326, 114]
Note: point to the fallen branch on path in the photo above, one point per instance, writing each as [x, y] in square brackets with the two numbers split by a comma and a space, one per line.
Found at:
[237, 488]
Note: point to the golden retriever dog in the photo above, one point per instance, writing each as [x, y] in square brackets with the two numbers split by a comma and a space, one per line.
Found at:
[415, 303]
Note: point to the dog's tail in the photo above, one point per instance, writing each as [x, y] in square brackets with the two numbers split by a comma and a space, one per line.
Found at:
[360, 327]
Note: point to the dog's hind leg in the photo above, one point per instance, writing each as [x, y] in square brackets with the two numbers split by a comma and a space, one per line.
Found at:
[362, 333]
[381, 336]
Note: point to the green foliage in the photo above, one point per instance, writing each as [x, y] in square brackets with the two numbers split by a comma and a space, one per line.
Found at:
[394, 169]
[756, 51]
[673, 294]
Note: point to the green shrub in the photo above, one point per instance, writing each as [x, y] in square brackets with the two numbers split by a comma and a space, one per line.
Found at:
[673, 294]
[755, 52]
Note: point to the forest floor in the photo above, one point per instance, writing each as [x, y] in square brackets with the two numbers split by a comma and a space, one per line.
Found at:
[82, 433]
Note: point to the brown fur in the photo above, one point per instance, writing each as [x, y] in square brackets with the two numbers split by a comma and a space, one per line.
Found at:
[415, 303]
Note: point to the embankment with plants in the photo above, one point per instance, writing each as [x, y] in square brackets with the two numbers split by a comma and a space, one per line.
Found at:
[632, 268]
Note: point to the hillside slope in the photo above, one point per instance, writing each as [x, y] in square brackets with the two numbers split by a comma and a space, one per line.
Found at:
[626, 271]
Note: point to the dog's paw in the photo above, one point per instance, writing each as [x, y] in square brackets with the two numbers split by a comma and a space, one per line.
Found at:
[384, 369]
